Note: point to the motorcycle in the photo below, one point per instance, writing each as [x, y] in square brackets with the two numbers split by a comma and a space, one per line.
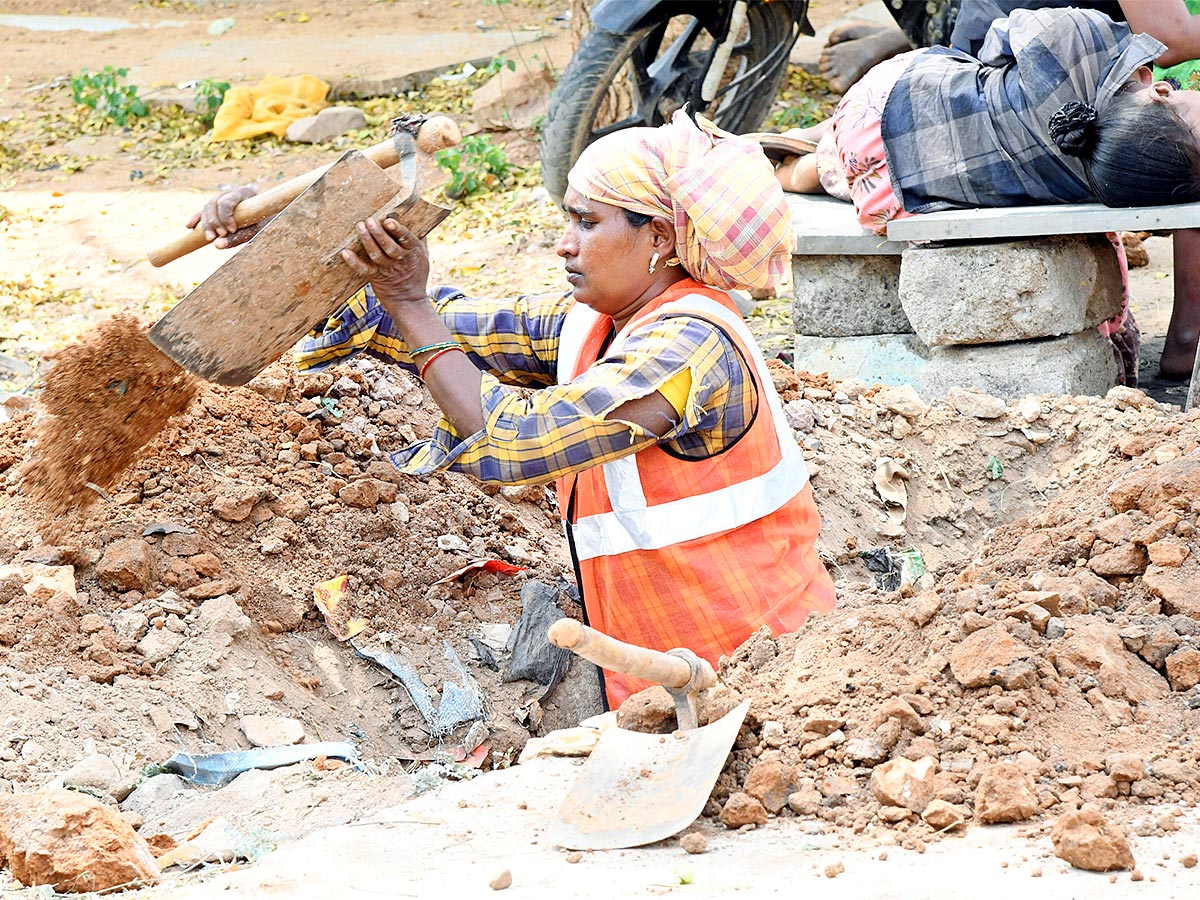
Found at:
[644, 59]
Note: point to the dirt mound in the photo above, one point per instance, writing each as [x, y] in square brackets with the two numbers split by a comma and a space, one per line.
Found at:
[1058, 667]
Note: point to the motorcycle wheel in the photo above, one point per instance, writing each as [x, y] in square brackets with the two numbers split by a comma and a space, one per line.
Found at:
[617, 81]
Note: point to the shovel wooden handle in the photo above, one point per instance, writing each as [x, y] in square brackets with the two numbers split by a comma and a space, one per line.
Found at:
[609, 653]
[435, 134]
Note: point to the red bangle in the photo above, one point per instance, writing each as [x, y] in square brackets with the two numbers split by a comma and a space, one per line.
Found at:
[429, 362]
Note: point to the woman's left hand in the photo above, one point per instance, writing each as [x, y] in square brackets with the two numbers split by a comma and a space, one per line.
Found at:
[394, 259]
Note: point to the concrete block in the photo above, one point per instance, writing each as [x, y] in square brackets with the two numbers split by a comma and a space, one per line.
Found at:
[875, 359]
[991, 293]
[846, 296]
[824, 226]
[1075, 364]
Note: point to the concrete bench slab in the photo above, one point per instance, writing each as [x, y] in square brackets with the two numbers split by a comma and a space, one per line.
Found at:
[1032, 221]
[825, 226]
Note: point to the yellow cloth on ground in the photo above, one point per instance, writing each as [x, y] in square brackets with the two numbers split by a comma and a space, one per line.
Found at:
[268, 108]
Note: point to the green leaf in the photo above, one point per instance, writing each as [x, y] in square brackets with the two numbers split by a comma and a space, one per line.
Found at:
[995, 469]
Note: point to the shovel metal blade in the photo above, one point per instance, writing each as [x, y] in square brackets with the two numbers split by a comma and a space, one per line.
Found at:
[640, 788]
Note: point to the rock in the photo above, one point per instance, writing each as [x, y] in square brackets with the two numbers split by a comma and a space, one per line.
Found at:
[179, 543]
[236, 501]
[127, 565]
[992, 656]
[903, 400]
[1152, 489]
[1086, 840]
[502, 881]
[975, 404]
[1079, 593]
[1097, 648]
[770, 783]
[152, 794]
[329, 123]
[1172, 771]
[742, 809]
[222, 615]
[922, 608]
[867, 750]
[805, 802]
[904, 782]
[96, 772]
[800, 415]
[1126, 559]
[694, 842]
[159, 644]
[72, 842]
[1183, 669]
[1126, 767]
[1169, 554]
[893, 814]
[898, 709]
[1098, 787]
[271, 731]
[1005, 794]
[362, 494]
[1176, 587]
[944, 816]
[651, 711]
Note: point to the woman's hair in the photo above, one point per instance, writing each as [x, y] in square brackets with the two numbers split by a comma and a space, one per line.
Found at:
[1135, 153]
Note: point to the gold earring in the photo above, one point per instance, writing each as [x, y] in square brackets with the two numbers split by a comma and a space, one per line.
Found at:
[653, 262]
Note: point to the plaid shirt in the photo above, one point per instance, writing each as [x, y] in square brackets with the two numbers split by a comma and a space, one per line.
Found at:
[972, 132]
[531, 437]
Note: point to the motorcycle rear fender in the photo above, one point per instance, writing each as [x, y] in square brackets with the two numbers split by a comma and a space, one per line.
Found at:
[626, 16]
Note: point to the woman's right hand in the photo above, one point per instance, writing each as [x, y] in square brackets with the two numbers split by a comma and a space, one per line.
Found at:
[217, 219]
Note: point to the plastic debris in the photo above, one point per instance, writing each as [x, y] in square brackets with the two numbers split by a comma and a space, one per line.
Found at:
[222, 768]
[166, 528]
[485, 565]
[461, 702]
[328, 595]
[533, 656]
[893, 568]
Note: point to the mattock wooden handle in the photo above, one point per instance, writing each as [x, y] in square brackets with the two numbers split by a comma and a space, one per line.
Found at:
[651, 665]
[437, 133]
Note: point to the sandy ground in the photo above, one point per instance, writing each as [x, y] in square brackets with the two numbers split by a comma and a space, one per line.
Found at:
[90, 230]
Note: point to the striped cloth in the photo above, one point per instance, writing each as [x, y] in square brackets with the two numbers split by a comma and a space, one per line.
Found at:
[560, 429]
[965, 132]
[732, 225]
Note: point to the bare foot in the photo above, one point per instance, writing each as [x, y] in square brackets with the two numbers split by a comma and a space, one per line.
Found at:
[844, 62]
[853, 31]
[1178, 357]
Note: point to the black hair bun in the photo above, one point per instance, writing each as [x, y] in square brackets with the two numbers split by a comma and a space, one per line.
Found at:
[1073, 128]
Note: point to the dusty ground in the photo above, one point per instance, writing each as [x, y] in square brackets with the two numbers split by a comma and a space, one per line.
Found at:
[192, 606]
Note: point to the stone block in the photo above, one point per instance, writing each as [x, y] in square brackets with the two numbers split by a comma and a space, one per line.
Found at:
[326, 125]
[990, 293]
[1076, 364]
[847, 296]
[875, 359]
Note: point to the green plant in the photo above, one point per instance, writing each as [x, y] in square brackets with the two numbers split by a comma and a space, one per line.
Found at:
[475, 165]
[104, 93]
[498, 63]
[210, 93]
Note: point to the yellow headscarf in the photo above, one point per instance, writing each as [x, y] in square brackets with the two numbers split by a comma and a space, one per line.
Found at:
[732, 225]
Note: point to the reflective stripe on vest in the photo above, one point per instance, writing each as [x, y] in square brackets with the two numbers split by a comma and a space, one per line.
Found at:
[633, 525]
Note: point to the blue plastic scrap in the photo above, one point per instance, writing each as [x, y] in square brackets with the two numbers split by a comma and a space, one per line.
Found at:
[222, 768]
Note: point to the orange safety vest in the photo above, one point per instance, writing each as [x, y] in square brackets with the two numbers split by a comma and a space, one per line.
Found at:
[695, 553]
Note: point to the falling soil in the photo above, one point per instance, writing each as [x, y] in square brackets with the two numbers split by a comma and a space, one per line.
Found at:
[104, 398]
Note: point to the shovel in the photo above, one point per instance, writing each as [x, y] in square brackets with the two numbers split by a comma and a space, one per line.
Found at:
[639, 788]
[290, 276]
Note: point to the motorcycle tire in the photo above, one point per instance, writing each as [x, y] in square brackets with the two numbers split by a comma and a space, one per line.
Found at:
[597, 64]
